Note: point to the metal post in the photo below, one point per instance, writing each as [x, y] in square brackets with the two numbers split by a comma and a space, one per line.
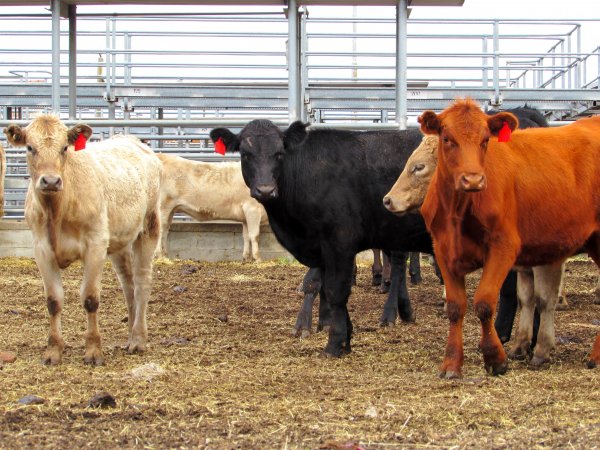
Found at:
[72, 61]
[55, 56]
[293, 69]
[401, 64]
[496, 99]
[578, 64]
[303, 64]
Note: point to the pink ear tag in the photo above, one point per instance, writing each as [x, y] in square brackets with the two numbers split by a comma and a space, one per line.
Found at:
[80, 142]
[220, 147]
[504, 134]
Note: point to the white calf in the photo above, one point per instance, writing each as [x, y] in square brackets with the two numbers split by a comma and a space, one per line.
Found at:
[209, 191]
[85, 205]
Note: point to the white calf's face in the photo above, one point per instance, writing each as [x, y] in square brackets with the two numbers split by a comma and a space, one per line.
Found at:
[47, 141]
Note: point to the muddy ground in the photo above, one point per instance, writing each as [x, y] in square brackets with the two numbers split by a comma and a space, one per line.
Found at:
[223, 370]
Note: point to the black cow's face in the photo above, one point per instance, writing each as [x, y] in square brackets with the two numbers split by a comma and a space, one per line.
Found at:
[262, 148]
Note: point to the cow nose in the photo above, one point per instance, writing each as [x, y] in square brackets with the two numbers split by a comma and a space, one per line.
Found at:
[51, 183]
[472, 181]
[266, 191]
[387, 202]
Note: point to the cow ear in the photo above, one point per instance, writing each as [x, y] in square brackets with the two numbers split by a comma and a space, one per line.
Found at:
[430, 123]
[295, 134]
[16, 135]
[231, 141]
[497, 121]
[78, 129]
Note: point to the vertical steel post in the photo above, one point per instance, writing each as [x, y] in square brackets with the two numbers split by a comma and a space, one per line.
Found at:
[484, 49]
[496, 81]
[293, 69]
[72, 61]
[401, 64]
[55, 6]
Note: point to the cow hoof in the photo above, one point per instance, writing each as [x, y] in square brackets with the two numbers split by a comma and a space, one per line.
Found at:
[94, 360]
[520, 353]
[410, 318]
[450, 374]
[591, 364]
[51, 358]
[376, 279]
[301, 333]
[562, 306]
[417, 279]
[497, 370]
[597, 300]
[135, 347]
[384, 287]
[386, 323]
[538, 362]
[324, 328]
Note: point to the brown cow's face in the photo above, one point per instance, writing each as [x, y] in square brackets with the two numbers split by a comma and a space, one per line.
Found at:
[409, 191]
[464, 131]
[47, 140]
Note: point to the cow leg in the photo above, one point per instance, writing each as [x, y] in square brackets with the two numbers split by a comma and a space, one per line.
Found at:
[311, 285]
[253, 217]
[377, 268]
[398, 302]
[143, 248]
[122, 265]
[337, 281]
[166, 217]
[456, 306]
[414, 268]
[495, 269]
[54, 293]
[524, 334]
[386, 274]
[507, 307]
[562, 303]
[246, 251]
[93, 264]
[547, 281]
[594, 252]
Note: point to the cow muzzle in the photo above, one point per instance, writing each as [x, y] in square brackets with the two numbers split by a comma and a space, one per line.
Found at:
[395, 205]
[263, 192]
[471, 182]
[49, 184]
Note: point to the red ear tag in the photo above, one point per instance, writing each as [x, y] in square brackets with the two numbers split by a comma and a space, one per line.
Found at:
[80, 142]
[504, 134]
[220, 147]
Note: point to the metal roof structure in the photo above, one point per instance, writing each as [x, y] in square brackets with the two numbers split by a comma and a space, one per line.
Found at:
[237, 2]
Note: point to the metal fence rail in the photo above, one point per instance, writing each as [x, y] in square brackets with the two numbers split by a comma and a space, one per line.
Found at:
[170, 78]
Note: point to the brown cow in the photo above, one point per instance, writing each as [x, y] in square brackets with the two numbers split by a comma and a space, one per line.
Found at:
[530, 201]
[209, 191]
[83, 205]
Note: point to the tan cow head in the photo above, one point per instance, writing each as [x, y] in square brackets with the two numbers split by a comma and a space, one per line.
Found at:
[410, 188]
[47, 140]
[464, 131]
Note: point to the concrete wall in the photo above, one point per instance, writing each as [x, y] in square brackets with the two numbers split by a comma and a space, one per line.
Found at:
[207, 241]
[200, 241]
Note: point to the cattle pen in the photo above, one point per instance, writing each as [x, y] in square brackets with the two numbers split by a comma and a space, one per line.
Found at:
[223, 368]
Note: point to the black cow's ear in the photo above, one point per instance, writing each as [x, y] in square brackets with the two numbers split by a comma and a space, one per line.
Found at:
[231, 141]
[15, 135]
[76, 130]
[295, 134]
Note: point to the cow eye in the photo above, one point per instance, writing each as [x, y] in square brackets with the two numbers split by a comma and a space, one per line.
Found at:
[279, 156]
[418, 168]
[31, 150]
[484, 143]
[245, 156]
[64, 150]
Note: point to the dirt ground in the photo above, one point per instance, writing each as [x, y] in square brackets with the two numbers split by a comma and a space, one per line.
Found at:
[223, 370]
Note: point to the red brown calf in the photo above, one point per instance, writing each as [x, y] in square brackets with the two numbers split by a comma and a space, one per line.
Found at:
[532, 200]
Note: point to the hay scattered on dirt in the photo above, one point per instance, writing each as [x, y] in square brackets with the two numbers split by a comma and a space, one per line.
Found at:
[245, 382]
